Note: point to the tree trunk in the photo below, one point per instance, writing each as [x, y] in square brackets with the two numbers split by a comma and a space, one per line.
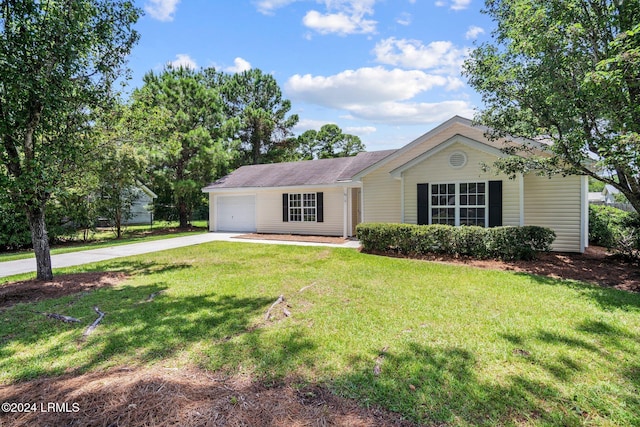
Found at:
[40, 241]
[182, 213]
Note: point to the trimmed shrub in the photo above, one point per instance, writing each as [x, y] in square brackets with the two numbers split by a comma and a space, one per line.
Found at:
[471, 241]
[510, 243]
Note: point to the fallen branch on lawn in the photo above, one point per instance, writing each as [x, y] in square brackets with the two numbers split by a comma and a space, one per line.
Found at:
[278, 301]
[307, 287]
[95, 323]
[62, 317]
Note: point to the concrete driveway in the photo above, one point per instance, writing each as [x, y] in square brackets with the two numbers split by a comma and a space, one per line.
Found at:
[10, 268]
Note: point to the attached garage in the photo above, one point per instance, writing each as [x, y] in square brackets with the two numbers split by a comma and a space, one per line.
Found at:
[235, 213]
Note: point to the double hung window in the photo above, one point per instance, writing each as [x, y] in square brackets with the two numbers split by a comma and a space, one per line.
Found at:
[459, 204]
[302, 207]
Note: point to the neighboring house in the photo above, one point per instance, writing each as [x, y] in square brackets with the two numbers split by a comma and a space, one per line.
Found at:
[607, 196]
[141, 211]
[437, 178]
[142, 206]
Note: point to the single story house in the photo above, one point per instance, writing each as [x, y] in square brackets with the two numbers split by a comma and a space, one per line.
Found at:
[436, 179]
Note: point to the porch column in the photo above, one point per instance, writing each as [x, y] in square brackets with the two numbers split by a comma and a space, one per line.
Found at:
[521, 197]
[345, 213]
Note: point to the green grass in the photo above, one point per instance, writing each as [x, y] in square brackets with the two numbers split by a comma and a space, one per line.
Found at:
[104, 238]
[455, 345]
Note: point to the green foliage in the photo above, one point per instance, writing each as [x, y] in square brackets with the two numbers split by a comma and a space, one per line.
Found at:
[59, 60]
[510, 243]
[614, 229]
[328, 142]
[254, 100]
[565, 72]
[595, 185]
[178, 116]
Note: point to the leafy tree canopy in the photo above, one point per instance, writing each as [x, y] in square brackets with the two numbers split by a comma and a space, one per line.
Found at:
[255, 100]
[568, 73]
[58, 60]
[328, 142]
[178, 114]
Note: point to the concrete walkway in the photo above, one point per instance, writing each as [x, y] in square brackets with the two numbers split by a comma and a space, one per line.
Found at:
[10, 268]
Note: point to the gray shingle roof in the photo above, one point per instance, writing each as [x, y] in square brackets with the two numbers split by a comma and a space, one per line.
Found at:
[309, 172]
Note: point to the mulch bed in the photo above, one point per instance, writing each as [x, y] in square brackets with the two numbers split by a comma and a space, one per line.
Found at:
[183, 397]
[595, 266]
[28, 291]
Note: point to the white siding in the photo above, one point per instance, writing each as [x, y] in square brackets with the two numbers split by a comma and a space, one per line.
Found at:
[381, 191]
[268, 205]
[436, 169]
[556, 203]
[141, 209]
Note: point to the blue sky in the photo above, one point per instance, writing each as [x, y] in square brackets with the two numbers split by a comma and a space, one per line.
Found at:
[385, 70]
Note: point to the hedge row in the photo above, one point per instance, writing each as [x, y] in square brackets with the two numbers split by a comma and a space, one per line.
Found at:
[508, 243]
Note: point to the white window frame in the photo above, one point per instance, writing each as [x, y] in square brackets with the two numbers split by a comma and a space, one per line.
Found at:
[306, 211]
[457, 205]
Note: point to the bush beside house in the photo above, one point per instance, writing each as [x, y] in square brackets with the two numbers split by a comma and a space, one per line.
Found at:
[508, 243]
[615, 229]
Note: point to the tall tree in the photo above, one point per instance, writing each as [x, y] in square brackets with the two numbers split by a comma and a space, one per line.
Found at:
[328, 142]
[255, 100]
[179, 114]
[58, 61]
[565, 72]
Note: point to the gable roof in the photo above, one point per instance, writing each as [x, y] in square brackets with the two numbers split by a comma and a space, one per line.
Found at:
[456, 121]
[308, 172]
[456, 139]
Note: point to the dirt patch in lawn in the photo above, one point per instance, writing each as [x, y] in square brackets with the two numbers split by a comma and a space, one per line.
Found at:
[294, 238]
[33, 290]
[184, 397]
[596, 266]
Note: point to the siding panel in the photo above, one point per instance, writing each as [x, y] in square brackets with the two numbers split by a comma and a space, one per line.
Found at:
[555, 203]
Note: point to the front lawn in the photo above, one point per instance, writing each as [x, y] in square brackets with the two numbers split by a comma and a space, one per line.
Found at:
[439, 344]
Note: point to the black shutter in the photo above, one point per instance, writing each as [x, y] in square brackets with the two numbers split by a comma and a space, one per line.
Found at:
[285, 207]
[495, 203]
[423, 204]
[320, 207]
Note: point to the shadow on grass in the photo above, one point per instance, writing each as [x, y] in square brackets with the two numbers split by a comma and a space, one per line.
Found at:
[607, 298]
[439, 386]
[133, 267]
[141, 324]
[547, 378]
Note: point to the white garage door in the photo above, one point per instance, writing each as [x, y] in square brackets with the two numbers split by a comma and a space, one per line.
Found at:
[236, 213]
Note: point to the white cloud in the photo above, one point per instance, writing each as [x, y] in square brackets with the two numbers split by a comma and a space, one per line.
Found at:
[239, 65]
[162, 10]
[454, 4]
[338, 23]
[360, 130]
[379, 95]
[342, 17]
[460, 4]
[412, 113]
[183, 60]
[404, 19]
[439, 56]
[308, 124]
[362, 86]
[267, 7]
[473, 32]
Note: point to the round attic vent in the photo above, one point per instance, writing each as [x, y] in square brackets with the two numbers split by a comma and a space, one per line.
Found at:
[457, 159]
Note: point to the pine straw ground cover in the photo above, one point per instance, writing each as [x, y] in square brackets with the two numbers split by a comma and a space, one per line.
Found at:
[359, 340]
